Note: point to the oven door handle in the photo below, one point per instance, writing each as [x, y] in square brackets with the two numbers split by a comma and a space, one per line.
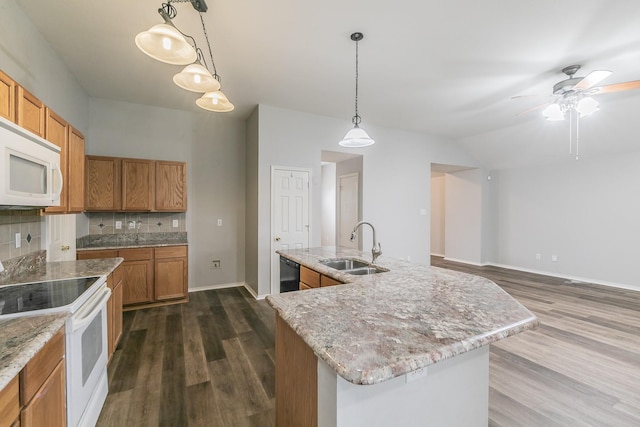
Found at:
[80, 320]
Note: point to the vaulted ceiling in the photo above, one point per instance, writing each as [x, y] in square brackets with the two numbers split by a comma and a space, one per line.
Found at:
[441, 68]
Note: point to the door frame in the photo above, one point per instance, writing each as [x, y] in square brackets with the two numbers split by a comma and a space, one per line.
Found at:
[274, 259]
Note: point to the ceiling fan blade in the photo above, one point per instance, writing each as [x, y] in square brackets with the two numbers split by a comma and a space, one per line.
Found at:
[618, 87]
[527, 96]
[537, 107]
[592, 79]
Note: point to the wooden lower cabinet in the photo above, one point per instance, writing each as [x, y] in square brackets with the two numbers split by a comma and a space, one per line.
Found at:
[43, 387]
[150, 276]
[310, 279]
[171, 269]
[10, 403]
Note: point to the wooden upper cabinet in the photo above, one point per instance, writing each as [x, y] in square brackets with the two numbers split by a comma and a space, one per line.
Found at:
[57, 132]
[171, 186]
[102, 184]
[30, 112]
[75, 177]
[137, 185]
[7, 97]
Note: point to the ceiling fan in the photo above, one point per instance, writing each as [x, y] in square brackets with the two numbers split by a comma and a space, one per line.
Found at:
[575, 93]
[573, 97]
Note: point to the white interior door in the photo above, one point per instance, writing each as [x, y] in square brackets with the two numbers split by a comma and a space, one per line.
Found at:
[348, 212]
[61, 237]
[290, 215]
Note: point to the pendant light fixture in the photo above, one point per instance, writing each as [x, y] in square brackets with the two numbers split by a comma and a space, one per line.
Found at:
[356, 137]
[166, 43]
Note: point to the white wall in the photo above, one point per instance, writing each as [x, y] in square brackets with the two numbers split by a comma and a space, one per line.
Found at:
[328, 204]
[438, 192]
[251, 203]
[586, 212]
[396, 174]
[214, 148]
[463, 210]
[30, 60]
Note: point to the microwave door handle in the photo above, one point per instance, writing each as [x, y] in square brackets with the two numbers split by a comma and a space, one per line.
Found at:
[59, 192]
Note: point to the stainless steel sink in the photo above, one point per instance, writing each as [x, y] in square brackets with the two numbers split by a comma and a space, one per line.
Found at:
[362, 271]
[344, 264]
[353, 266]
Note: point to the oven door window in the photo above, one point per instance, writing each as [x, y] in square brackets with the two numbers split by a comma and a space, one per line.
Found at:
[91, 347]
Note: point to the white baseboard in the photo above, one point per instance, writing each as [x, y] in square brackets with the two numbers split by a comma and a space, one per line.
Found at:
[575, 279]
[477, 264]
[440, 255]
[228, 285]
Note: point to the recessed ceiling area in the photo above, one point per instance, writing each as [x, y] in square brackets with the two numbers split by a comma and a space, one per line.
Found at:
[447, 69]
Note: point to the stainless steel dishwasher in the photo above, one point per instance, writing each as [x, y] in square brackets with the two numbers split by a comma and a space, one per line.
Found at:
[289, 275]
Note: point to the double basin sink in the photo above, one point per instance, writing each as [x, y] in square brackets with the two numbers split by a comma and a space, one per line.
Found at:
[353, 266]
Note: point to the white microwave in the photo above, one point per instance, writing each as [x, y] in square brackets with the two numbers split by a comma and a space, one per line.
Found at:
[30, 173]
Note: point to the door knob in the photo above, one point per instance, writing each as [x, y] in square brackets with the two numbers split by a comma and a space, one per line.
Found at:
[64, 248]
[277, 239]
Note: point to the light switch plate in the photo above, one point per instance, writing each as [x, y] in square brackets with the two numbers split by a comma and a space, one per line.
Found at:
[219, 223]
[175, 223]
[18, 240]
[118, 225]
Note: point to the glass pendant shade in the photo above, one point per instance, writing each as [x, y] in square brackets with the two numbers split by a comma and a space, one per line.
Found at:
[587, 106]
[356, 137]
[196, 78]
[165, 43]
[553, 112]
[215, 101]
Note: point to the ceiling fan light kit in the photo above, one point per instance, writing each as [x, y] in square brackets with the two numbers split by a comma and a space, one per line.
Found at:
[574, 98]
[166, 43]
[356, 137]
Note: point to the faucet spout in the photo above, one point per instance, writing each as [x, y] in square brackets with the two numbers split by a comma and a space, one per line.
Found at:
[376, 251]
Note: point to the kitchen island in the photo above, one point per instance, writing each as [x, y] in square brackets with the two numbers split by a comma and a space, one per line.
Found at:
[404, 347]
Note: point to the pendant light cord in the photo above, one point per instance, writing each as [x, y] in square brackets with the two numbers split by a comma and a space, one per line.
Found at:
[213, 65]
[356, 119]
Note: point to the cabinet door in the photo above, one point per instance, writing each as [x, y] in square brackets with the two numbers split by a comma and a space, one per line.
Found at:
[117, 312]
[30, 112]
[48, 407]
[7, 97]
[171, 186]
[9, 403]
[171, 272]
[137, 185]
[57, 132]
[75, 175]
[138, 282]
[102, 185]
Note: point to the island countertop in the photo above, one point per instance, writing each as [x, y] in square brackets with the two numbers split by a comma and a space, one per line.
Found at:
[384, 325]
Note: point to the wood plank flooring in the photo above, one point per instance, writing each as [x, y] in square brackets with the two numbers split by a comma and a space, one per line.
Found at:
[580, 367]
[210, 362]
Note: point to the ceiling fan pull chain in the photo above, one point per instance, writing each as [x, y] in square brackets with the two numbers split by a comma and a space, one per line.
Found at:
[577, 136]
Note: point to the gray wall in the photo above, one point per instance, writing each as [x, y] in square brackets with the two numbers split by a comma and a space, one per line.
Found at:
[251, 202]
[214, 148]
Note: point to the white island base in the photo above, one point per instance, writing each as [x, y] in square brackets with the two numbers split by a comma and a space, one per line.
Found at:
[452, 392]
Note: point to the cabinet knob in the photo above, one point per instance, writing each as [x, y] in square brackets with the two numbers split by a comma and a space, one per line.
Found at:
[64, 248]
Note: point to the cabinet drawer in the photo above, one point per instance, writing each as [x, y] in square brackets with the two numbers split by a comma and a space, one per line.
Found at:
[310, 277]
[304, 286]
[9, 403]
[40, 366]
[97, 254]
[171, 252]
[328, 281]
[136, 254]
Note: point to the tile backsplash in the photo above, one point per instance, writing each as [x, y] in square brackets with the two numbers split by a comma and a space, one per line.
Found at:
[29, 224]
[135, 222]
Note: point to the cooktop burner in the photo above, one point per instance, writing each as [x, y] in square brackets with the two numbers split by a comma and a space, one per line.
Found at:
[28, 297]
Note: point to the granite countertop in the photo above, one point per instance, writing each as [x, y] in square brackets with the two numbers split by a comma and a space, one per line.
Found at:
[21, 338]
[384, 325]
[129, 241]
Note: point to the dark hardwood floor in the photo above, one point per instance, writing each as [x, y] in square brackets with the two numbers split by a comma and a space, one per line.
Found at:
[211, 362]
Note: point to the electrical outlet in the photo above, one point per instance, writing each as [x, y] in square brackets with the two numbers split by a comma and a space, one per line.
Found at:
[554, 258]
[175, 223]
[219, 223]
[538, 257]
[18, 240]
[118, 225]
[215, 264]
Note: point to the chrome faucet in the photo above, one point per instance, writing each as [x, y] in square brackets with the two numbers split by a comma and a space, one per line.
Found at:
[376, 251]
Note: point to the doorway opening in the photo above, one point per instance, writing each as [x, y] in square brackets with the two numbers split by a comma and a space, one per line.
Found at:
[341, 198]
